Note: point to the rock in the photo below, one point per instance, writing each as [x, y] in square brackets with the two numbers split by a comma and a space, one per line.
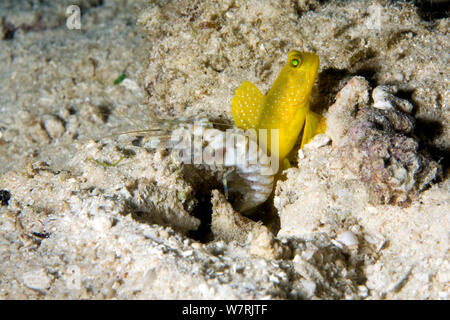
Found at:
[37, 279]
[354, 95]
[229, 225]
[380, 148]
[376, 142]
[53, 125]
[384, 98]
[348, 239]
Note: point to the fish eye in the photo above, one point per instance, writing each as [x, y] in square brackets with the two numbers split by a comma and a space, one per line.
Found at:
[295, 63]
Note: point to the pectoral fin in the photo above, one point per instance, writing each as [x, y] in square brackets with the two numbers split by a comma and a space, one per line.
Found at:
[246, 106]
[314, 124]
[286, 164]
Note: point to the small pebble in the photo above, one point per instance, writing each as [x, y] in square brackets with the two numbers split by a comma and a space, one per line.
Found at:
[130, 85]
[301, 155]
[309, 286]
[37, 279]
[319, 141]
[384, 99]
[363, 291]
[381, 96]
[348, 239]
[53, 125]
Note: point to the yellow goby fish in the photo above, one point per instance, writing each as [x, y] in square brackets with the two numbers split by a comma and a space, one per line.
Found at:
[286, 105]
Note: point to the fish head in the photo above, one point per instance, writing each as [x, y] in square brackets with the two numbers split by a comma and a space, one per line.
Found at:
[301, 69]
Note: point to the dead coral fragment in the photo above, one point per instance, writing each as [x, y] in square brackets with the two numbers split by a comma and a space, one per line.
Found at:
[384, 98]
[379, 146]
[229, 225]
[153, 204]
[355, 93]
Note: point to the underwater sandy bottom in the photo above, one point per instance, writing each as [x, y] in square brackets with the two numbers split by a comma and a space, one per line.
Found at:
[363, 213]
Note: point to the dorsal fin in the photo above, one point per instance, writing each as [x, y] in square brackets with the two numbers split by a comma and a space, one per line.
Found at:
[247, 105]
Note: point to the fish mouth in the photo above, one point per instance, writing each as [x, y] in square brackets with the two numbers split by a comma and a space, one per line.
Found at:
[311, 60]
[311, 63]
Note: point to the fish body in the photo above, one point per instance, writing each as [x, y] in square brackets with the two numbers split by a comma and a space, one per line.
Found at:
[286, 105]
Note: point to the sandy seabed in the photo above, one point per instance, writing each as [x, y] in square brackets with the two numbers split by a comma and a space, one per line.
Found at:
[363, 213]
